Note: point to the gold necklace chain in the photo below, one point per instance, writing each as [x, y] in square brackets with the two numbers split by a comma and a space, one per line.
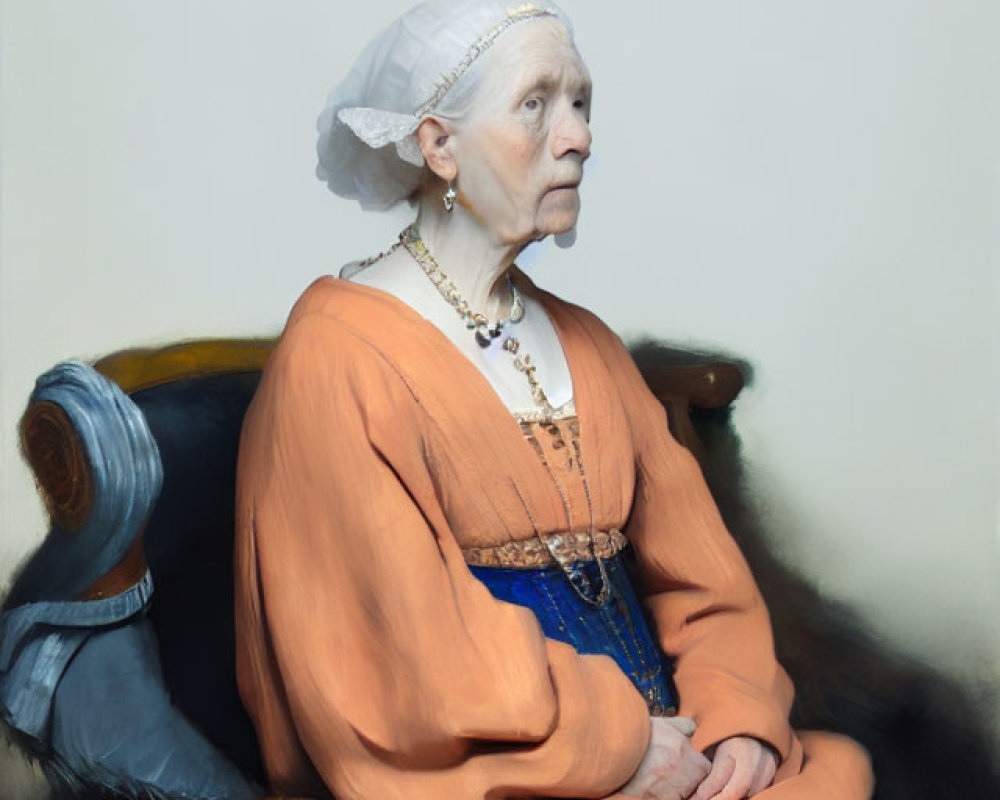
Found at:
[375, 259]
[410, 239]
[485, 330]
[605, 589]
[565, 565]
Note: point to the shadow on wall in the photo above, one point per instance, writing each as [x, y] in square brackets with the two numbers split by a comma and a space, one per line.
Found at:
[929, 736]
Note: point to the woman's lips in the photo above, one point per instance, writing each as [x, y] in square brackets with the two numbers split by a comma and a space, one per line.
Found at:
[563, 186]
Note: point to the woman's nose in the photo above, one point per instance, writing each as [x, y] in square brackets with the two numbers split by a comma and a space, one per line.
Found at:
[571, 133]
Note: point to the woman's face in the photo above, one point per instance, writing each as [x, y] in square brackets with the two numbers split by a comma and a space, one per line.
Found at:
[520, 151]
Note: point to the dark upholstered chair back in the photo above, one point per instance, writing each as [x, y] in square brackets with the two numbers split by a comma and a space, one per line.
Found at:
[189, 550]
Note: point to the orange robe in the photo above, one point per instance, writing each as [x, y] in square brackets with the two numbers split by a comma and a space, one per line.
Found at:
[373, 663]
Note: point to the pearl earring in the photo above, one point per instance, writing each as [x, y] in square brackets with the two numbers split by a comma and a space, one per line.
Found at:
[449, 197]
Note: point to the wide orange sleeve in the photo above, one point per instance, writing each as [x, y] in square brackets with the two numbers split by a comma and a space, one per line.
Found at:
[709, 615]
[369, 657]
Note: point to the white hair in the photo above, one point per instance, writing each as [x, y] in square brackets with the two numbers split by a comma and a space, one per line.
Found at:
[427, 62]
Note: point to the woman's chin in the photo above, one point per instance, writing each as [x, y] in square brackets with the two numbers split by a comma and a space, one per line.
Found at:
[558, 223]
[549, 221]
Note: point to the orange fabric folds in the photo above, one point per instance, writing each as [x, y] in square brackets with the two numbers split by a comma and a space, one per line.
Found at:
[373, 663]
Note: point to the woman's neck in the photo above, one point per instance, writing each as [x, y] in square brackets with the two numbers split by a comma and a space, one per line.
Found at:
[466, 252]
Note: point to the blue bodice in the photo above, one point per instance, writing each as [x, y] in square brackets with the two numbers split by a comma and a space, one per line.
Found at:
[568, 609]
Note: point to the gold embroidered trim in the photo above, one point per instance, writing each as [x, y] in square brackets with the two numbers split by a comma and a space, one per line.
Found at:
[569, 547]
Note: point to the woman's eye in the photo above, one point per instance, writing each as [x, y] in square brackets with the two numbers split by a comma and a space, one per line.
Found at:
[533, 103]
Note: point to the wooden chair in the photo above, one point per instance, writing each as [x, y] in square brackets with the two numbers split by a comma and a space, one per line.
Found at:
[921, 729]
[193, 396]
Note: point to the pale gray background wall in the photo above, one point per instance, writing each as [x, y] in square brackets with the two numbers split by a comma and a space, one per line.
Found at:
[814, 186]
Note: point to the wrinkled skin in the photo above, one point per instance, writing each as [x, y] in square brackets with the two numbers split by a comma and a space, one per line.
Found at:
[673, 770]
[517, 157]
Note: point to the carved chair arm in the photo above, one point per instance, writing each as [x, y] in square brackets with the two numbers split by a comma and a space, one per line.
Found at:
[54, 452]
[708, 385]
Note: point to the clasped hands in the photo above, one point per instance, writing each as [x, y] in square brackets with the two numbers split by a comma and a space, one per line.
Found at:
[672, 769]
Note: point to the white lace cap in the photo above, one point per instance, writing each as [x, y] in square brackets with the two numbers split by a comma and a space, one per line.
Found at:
[367, 146]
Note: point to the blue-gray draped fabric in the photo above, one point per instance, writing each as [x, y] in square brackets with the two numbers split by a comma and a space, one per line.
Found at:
[81, 679]
[126, 473]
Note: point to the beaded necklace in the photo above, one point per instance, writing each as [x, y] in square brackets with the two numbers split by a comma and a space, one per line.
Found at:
[486, 331]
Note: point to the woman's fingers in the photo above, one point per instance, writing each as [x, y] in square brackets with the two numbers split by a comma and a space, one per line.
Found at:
[671, 769]
[765, 773]
[685, 725]
[738, 785]
[722, 771]
[681, 782]
[741, 768]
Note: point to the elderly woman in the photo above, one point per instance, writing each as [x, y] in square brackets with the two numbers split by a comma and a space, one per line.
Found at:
[449, 479]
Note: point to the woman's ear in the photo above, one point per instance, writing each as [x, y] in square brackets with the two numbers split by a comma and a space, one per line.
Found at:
[433, 137]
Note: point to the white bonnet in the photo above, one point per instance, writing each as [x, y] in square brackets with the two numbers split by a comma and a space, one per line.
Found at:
[367, 146]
